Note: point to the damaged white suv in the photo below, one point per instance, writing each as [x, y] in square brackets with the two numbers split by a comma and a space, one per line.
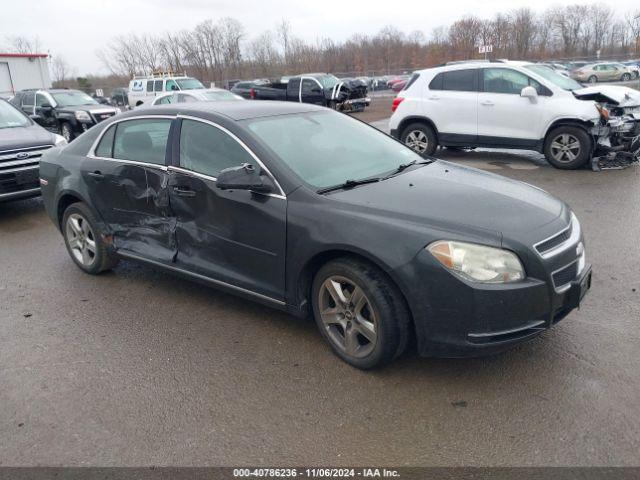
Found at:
[519, 105]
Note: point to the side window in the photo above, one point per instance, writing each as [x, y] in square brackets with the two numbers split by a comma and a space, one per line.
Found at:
[41, 100]
[208, 150]
[309, 86]
[142, 140]
[461, 80]
[105, 147]
[171, 85]
[504, 80]
[17, 100]
[158, 87]
[29, 99]
[293, 85]
[165, 100]
[184, 98]
[150, 86]
[436, 83]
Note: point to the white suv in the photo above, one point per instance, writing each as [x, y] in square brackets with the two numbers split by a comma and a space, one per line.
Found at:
[146, 88]
[503, 104]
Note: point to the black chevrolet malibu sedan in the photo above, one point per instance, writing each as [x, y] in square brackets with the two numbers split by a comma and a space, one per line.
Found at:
[315, 213]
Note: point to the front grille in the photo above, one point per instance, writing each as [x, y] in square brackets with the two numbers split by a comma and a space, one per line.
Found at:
[553, 242]
[17, 168]
[564, 276]
[100, 116]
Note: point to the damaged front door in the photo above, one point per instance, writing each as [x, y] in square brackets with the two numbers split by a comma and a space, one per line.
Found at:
[128, 184]
[237, 237]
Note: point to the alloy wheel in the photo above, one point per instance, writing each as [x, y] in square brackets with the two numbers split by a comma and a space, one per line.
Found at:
[348, 316]
[81, 239]
[565, 148]
[417, 140]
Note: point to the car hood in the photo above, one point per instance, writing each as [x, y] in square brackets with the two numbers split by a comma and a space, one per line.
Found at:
[24, 137]
[616, 95]
[450, 196]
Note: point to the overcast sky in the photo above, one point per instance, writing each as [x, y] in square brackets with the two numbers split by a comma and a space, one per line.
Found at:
[75, 29]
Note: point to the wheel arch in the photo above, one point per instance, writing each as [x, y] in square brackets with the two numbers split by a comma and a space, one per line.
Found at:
[416, 119]
[308, 272]
[568, 122]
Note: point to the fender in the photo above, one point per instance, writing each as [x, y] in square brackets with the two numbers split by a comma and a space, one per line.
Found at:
[411, 119]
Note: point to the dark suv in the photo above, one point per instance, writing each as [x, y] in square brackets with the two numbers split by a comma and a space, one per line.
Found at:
[63, 111]
[22, 143]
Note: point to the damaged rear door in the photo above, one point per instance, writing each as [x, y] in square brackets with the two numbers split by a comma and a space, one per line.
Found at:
[127, 179]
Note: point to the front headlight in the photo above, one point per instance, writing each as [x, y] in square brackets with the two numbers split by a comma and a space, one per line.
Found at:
[60, 140]
[478, 263]
[82, 116]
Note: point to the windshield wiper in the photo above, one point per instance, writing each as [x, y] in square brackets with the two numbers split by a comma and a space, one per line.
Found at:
[348, 184]
[403, 166]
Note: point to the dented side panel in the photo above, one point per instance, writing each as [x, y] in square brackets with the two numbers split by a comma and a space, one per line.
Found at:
[133, 202]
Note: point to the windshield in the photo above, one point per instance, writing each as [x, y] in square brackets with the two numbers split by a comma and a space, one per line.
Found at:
[328, 81]
[549, 74]
[189, 84]
[221, 95]
[11, 117]
[328, 148]
[72, 98]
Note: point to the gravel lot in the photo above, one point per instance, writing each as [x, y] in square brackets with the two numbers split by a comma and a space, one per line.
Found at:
[137, 367]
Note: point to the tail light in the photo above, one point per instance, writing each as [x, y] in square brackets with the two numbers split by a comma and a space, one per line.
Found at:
[252, 94]
[396, 101]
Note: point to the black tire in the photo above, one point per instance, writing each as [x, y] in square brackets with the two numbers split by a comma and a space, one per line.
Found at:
[421, 138]
[625, 77]
[567, 136]
[103, 258]
[592, 79]
[66, 131]
[385, 308]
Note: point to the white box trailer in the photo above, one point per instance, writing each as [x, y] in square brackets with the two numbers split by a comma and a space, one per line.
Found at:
[23, 70]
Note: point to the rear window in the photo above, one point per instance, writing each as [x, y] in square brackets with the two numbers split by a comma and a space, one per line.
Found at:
[456, 80]
[461, 80]
[412, 80]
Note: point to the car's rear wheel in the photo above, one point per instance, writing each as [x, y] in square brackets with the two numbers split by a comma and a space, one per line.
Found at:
[66, 131]
[592, 79]
[84, 241]
[625, 77]
[567, 147]
[421, 138]
[360, 313]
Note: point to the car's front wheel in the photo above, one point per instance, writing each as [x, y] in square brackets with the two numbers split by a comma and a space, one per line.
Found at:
[592, 79]
[360, 313]
[625, 77]
[567, 147]
[421, 138]
[84, 241]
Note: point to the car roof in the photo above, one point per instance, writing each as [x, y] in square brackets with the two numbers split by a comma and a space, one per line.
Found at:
[473, 64]
[232, 110]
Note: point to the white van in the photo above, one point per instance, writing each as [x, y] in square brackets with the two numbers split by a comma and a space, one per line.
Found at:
[146, 87]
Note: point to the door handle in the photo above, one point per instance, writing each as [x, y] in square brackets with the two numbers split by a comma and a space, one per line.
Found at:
[97, 175]
[434, 98]
[487, 103]
[184, 192]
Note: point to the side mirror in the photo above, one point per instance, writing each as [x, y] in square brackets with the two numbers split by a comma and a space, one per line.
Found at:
[529, 92]
[243, 177]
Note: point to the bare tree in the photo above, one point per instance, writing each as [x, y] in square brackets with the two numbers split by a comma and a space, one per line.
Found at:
[23, 44]
[283, 32]
[60, 69]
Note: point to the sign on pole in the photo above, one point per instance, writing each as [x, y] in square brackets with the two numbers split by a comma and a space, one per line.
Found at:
[485, 49]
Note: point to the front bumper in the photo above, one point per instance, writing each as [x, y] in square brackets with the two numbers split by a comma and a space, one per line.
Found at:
[456, 319]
